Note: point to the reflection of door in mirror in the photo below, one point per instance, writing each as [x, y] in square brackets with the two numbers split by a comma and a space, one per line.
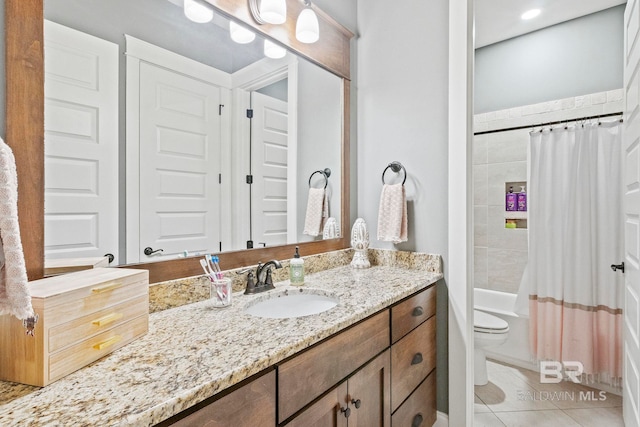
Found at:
[269, 160]
[180, 134]
[175, 115]
[81, 144]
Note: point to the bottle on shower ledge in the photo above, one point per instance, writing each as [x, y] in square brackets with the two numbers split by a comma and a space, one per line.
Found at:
[511, 203]
[522, 200]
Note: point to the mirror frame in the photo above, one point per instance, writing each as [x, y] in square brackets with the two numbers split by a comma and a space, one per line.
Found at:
[24, 73]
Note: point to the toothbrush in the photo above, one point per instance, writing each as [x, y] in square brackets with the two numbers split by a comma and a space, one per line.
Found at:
[215, 267]
[216, 264]
[206, 269]
[205, 266]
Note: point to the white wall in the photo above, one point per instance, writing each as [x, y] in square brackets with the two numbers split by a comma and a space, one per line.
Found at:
[577, 57]
[402, 115]
[319, 136]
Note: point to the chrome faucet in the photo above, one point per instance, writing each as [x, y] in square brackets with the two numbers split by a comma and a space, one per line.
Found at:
[264, 281]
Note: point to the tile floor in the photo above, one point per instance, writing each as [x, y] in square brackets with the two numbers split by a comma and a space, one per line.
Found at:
[514, 397]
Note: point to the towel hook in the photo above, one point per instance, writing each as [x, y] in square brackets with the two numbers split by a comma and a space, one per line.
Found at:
[326, 173]
[395, 167]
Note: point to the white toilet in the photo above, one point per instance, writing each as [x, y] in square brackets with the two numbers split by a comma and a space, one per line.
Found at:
[488, 331]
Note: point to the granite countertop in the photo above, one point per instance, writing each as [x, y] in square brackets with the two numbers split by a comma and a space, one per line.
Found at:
[194, 351]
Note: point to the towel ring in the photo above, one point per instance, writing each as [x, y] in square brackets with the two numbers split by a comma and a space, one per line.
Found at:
[326, 173]
[395, 167]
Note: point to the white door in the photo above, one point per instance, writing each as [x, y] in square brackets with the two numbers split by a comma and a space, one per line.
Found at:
[180, 135]
[631, 143]
[269, 152]
[81, 144]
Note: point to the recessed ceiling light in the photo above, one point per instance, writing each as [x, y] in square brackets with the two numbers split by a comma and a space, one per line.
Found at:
[530, 14]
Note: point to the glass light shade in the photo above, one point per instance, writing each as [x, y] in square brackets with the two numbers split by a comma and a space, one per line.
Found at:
[273, 11]
[272, 50]
[307, 28]
[197, 11]
[240, 34]
[530, 14]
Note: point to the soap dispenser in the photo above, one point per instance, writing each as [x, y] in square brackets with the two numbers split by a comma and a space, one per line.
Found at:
[522, 200]
[511, 201]
[296, 269]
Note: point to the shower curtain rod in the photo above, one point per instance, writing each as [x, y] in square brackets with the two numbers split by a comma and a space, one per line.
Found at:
[559, 122]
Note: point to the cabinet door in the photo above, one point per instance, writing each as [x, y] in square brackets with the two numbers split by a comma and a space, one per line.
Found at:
[330, 411]
[252, 405]
[368, 397]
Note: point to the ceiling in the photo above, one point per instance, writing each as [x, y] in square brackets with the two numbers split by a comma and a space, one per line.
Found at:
[498, 20]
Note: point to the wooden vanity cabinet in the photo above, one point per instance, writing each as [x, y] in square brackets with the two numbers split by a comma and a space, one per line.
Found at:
[362, 400]
[413, 360]
[311, 373]
[251, 405]
[379, 372]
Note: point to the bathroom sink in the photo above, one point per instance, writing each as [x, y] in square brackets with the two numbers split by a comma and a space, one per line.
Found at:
[289, 304]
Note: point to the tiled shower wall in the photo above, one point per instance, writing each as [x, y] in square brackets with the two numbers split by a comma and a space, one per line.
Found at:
[500, 254]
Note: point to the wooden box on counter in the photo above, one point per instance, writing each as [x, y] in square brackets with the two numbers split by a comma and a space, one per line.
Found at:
[83, 316]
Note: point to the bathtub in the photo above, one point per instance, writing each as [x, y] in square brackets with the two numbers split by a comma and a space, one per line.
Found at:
[515, 350]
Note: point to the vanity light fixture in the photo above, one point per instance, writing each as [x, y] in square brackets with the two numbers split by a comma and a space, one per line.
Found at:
[269, 11]
[275, 12]
[307, 27]
[272, 50]
[240, 34]
[198, 11]
[530, 14]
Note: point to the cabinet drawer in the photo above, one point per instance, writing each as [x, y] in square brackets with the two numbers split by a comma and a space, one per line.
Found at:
[76, 356]
[412, 358]
[77, 330]
[420, 408]
[308, 375]
[89, 300]
[252, 405]
[410, 313]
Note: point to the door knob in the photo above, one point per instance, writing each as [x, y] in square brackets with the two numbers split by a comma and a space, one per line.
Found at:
[110, 257]
[620, 267]
[416, 359]
[356, 402]
[346, 412]
[149, 251]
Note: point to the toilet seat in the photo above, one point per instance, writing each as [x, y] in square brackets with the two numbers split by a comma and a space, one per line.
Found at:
[488, 324]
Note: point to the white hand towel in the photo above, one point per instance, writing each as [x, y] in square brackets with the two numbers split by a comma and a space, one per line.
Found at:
[392, 214]
[317, 211]
[15, 298]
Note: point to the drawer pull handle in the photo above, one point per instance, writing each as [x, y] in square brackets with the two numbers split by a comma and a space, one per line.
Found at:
[356, 403]
[106, 288]
[346, 412]
[417, 421]
[416, 359]
[109, 318]
[418, 311]
[111, 341]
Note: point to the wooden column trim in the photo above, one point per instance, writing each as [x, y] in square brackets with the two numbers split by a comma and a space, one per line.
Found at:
[24, 87]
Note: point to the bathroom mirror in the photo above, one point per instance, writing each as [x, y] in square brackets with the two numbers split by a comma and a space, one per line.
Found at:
[176, 107]
[320, 55]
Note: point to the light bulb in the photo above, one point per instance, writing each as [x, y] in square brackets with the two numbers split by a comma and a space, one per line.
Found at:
[197, 11]
[240, 34]
[307, 28]
[272, 50]
[273, 11]
[530, 14]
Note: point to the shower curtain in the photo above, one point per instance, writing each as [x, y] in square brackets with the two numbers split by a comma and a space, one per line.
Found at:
[575, 233]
